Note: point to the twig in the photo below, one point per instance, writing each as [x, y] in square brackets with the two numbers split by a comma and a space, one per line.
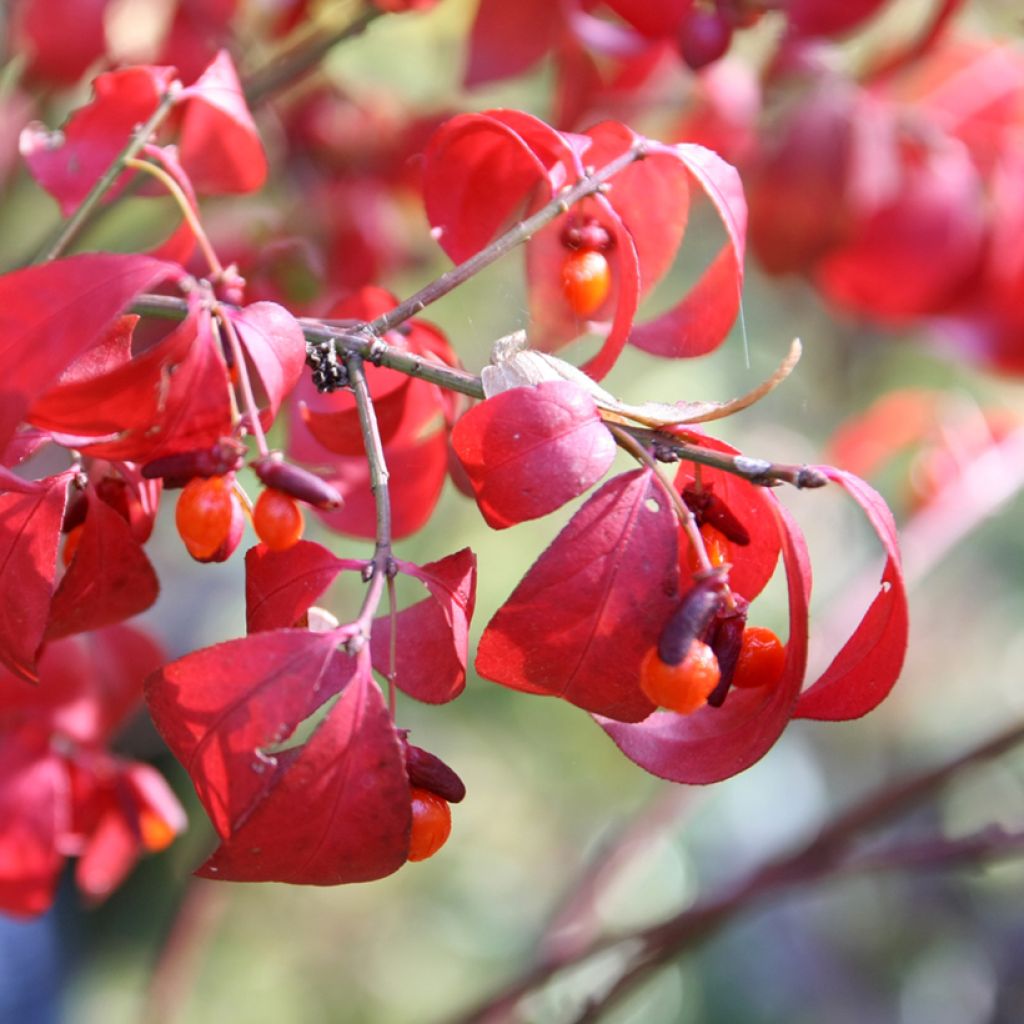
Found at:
[381, 568]
[824, 855]
[70, 228]
[181, 200]
[762, 472]
[362, 343]
[303, 58]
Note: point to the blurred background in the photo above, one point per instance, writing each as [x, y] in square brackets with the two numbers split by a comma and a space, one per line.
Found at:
[548, 794]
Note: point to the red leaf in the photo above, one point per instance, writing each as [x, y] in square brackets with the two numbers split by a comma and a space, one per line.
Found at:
[219, 145]
[529, 450]
[222, 708]
[62, 37]
[274, 342]
[418, 469]
[51, 314]
[715, 743]
[186, 374]
[865, 670]
[34, 783]
[90, 684]
[432, 636]
[579, 623]
[109, 578]
[506, 39]
[935, 223]
[92, 395]
[651, 196]
[29, 535]
[335, 423]
[701, 321]
[479, 171]
[338, 807]
[68, 163]
[280, 586]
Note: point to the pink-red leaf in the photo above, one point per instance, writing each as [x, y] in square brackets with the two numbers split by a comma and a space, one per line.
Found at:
[51, 314]
[219, 145]
[280, 586]
[865, 670]
[225, 709]
[479, 171]
[593, 604]
[507, 38]
[701, 321]
[186, 375]
[715, 743]
[338, 807]
[109, 578]
[30, 798]
[29, 535]
[62, 37]
[432, 636]
[529, 450]
[274, 342]
[333, 419]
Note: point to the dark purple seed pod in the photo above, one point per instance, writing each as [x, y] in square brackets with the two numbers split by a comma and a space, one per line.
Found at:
[75, 511]
[708, 508]
[428, 771]
[725, 639]
[226, 456]
[297, 482]
[692, 618]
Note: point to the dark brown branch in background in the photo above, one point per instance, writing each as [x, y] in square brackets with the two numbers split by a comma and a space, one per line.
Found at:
[303, 58]
[827, 854]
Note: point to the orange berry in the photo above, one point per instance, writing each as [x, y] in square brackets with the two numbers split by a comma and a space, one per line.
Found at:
[206, 514]
[431, 823]
[715, 544]
[277, 519]
[71, 542]
[761, 659]
[156, 833]
[683, 687]
[586, 280]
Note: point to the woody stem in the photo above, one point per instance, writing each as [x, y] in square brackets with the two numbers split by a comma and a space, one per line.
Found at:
[381, 567]
[665, 447]
[525, 229]
[71, 227]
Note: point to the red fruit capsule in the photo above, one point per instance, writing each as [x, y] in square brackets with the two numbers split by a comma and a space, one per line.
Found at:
[684, 687]
[586, 280]
[431, 824]
[277, 520]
